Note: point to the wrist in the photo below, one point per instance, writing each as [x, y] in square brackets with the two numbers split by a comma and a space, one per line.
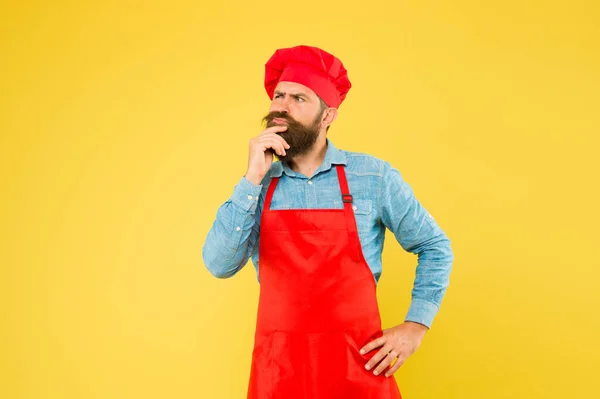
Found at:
[255, 180]
[417, 326]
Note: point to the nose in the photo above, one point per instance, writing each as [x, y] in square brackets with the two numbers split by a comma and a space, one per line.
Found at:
[281, 105]
[280, 108]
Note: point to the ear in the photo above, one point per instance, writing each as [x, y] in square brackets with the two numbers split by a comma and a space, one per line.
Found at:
[330, 115]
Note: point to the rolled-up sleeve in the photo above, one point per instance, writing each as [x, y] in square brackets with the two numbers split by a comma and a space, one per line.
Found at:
[418, 233]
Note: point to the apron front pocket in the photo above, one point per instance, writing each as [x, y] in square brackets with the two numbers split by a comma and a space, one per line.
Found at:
[319, 365]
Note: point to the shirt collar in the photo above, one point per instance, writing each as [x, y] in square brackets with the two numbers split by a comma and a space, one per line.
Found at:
[333, 156]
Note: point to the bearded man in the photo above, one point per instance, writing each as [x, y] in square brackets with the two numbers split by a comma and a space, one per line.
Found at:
[314, 221]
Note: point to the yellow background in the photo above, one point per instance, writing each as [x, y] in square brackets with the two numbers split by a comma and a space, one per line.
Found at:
[125, 125]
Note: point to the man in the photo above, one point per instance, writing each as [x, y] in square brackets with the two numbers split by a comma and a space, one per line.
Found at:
[314, 223]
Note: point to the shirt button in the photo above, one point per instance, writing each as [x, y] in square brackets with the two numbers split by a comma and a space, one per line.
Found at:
[257, 198]
[310, 182]
[354, 207]
[237, 228]
[250, 197]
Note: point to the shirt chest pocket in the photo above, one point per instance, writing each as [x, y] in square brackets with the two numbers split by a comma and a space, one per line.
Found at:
[363, 212]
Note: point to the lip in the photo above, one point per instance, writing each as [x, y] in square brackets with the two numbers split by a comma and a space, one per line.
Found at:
[279, 121]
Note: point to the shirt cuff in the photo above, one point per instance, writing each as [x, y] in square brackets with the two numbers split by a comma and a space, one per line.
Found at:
[422, 311]
[245, 195]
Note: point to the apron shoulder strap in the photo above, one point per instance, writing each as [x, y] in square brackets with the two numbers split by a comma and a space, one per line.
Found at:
[270, 191]
[347, 200]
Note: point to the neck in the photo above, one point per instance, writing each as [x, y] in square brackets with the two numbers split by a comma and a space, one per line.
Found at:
[308, 163]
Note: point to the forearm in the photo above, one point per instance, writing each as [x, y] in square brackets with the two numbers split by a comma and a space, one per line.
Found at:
[418, 233]
[230, 241]
[432, 278]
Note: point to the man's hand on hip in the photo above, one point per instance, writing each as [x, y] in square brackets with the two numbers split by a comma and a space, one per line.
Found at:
[397, 342]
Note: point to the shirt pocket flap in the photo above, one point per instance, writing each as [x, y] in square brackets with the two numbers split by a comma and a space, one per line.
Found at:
[362, 207]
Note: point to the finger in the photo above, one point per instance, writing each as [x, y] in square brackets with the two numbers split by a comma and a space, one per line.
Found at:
[274, 144]
[274, 129]
[267, 142]
[277, 137]
[378, 356]
[395, 367]
[272, 136]
[376, 343]
[385, 362]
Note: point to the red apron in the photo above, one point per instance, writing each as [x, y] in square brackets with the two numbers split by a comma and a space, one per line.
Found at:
[317, 307]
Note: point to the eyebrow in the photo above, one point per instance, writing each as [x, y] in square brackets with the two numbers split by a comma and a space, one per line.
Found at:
[277, 92]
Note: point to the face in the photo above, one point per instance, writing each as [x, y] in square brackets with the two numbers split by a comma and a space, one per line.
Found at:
[299, 108]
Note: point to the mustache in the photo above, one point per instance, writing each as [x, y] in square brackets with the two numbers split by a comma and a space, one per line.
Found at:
[278, 115]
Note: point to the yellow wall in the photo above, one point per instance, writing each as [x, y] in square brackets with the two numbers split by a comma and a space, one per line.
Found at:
[123, 127]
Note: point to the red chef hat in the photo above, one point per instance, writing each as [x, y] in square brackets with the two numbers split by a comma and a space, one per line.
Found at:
[312, 67]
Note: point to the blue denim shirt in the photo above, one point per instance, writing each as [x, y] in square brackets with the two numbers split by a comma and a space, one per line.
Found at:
[382, 199]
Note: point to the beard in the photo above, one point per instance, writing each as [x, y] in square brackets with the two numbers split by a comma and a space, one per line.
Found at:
[301, 138]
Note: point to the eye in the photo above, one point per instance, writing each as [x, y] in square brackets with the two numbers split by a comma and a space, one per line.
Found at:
[277, 95]
[299, 99]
